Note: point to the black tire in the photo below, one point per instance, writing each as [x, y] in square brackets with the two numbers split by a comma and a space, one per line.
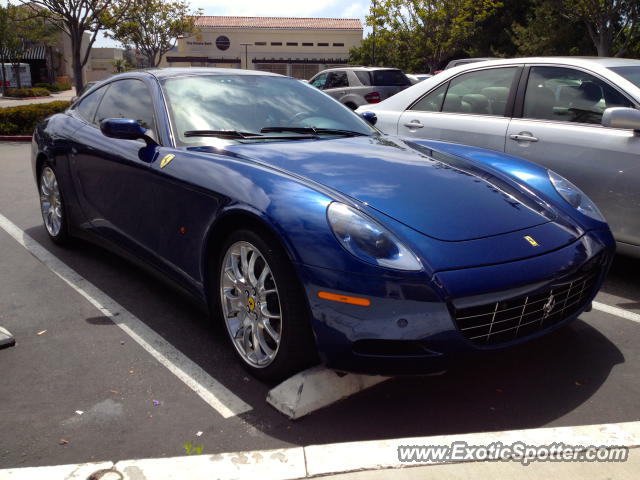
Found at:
[296, 349]
[352, 106]
[59, 236]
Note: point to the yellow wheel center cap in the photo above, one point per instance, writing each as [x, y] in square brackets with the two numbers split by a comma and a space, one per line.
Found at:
[251, 303]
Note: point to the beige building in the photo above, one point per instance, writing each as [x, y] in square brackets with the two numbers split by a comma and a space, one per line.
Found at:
[298, 47]
[101, 63]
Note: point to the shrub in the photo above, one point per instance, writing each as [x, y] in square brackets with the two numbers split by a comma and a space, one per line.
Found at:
[27, 92]
[54, 87]
[22, 120]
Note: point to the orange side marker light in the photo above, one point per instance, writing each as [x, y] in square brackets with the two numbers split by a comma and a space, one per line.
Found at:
[363, 302]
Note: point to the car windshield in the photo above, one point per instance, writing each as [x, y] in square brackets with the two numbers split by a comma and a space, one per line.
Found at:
[389, 78]
[261, 107]
[630, 73]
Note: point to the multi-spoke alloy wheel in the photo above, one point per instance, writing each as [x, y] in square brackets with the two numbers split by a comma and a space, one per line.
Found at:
[250, 304]
[51, 204]
[263, 305]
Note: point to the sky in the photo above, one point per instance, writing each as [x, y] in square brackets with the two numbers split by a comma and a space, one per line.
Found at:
[274, 8]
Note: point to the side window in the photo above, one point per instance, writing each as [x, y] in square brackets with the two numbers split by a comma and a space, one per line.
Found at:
[127, 99]
[87, 107]
[363, 76]
[319, 81]
[568, 95]
[483, 92]
[432, 102]
[337, 80]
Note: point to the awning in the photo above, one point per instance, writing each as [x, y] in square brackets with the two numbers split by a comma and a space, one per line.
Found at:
[203, 59]
[322, 61]
[33, 53]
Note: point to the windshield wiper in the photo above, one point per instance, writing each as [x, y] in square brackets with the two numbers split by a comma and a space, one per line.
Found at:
[233, 134]
[314, 131]
[220, 134]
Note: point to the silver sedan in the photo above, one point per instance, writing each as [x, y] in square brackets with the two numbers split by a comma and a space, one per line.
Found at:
[577, 116]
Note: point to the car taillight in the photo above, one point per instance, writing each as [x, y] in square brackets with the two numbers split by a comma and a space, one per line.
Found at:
[373, 97]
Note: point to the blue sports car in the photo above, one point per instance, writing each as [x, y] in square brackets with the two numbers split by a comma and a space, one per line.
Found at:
[309, 234]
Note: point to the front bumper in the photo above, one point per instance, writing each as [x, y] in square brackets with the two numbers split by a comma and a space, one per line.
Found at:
[410, 326]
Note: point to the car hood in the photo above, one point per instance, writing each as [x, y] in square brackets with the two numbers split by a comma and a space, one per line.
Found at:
[440, 195]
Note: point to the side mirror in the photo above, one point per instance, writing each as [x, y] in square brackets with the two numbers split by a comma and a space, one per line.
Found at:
[124, 128]
[369, 117]
[621, 117]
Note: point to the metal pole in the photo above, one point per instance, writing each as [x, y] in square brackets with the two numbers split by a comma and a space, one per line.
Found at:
[373, 34]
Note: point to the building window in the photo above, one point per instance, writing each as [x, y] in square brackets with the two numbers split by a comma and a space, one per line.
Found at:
[338, 44]
[261, 44]
[306, 44]
[323, 44]
[223, 42]
[292, 44]
[276, 44]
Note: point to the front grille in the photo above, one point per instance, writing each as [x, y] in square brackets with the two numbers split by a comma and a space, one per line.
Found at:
[507, 320]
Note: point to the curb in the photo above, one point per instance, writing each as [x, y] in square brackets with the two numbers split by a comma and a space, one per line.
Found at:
[15, 138]
[322, 460]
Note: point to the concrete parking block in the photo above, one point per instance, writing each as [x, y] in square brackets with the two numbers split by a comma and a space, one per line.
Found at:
[316, 388]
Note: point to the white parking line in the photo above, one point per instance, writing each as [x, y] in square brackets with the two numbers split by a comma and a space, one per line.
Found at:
[225, 402]
[618, 312]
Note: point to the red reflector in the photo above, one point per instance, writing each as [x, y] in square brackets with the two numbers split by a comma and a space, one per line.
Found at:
[373, 97]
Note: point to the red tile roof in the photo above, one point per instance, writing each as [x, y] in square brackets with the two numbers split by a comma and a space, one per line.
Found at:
[280, 23]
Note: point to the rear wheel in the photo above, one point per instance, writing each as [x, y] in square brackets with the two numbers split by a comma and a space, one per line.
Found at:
[263, 307]
[52, 205]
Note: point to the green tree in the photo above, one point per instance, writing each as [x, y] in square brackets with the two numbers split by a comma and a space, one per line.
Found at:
[121, 65]
[546, 31]
[613, 25]
[419, 35]
[154, 26]
[74, 18]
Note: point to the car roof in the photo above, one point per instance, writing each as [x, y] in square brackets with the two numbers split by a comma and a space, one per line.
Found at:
[169, 72]
[577, 61]
[360, 68]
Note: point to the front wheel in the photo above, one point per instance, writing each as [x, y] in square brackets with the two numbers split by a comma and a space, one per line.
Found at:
[52, 205]
[263, 307]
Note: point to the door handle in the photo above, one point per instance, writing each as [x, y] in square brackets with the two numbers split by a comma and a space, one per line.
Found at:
[414, 124]
[523, 137]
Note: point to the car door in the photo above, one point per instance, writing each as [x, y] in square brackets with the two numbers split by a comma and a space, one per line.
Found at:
[472, 108]
[112, 175]
[558, 126]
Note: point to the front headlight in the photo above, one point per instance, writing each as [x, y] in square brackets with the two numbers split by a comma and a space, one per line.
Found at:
[368, 240]
[575, 197]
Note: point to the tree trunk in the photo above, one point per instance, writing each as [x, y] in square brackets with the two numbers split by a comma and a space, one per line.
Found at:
[4, 77]
[76, 62]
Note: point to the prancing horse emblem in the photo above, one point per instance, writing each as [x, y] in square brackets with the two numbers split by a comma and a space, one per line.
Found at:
[548, 307]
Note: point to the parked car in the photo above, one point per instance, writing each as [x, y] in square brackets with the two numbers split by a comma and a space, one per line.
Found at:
[355, 86]
[418, 77]
[576, 116]
[307, 233]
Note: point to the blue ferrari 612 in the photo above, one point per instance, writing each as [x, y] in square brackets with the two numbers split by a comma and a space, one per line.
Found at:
[309, 234]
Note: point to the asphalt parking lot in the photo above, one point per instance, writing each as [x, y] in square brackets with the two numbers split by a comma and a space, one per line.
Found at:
[71, 358]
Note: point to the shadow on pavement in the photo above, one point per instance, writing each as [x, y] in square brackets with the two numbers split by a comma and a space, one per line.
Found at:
[525, 387]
